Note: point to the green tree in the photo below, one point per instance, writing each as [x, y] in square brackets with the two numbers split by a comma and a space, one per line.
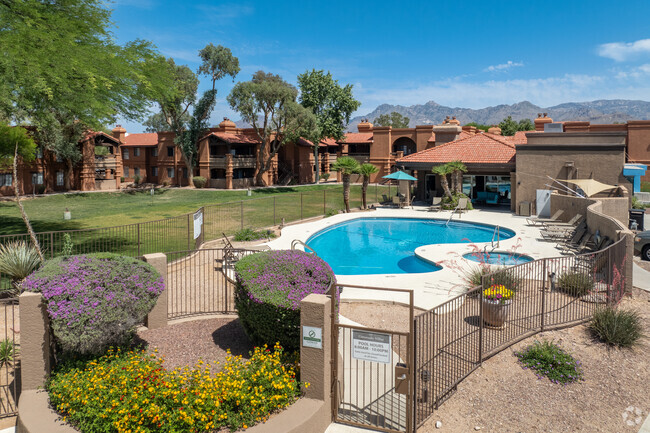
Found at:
[268, 103]
[443, 171]
[457, 169]
[157, 122]
[347, 166]
[176, 99]
[509, 126]
[15, 144]
[366, 170]
[526, 125]
[393, 119]
[479, 126]
[332, 104]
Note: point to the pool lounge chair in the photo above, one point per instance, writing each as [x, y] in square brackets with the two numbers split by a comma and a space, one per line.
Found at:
[462, 205]
[436, 204]
[563, 234]
[579, 248]
[572, 222]
[397, 201]
[533, 221]
[571, 237]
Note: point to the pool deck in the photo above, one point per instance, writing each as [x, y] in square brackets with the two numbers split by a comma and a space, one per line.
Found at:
[433, 288]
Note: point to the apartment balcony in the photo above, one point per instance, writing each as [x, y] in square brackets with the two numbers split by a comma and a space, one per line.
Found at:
[247, 161]
[361, 158]
[107, 162]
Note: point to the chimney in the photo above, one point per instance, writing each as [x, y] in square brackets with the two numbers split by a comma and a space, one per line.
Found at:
[541, 121]
[494, 130]
[364, 126]
[447, 132]
[119, 133]
[453, 121]
[228, 125]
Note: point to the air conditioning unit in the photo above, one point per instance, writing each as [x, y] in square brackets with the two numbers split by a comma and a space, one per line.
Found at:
[524, 208]
[554, 127]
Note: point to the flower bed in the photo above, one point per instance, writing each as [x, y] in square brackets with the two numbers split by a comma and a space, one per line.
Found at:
[131, 391]
[96, 300]
[270, 286]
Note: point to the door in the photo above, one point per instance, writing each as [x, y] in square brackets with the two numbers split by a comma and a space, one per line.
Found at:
[543, 203]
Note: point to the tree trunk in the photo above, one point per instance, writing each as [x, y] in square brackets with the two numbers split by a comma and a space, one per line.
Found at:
[30, 230]
[454, 182]
[364, 189]
[346, 191]
[445, 185]
[316, 164]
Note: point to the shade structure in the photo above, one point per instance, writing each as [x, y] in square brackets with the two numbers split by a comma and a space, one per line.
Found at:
[589, 186]
[400, 175]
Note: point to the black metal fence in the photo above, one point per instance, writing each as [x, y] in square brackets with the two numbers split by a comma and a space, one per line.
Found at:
[9, 357]
[452, 339]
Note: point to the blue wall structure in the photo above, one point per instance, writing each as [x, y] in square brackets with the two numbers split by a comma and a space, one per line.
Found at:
[634, 172]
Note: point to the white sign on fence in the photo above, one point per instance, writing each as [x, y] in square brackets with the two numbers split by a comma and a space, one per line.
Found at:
[371, 346]
[312, 337]
[198, 223]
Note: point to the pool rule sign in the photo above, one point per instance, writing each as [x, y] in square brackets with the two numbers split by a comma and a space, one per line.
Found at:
[371, 346]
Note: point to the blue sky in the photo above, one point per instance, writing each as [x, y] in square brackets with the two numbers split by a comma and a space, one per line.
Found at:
[462, 54]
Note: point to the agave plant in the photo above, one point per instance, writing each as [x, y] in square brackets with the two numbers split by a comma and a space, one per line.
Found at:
[17, 260]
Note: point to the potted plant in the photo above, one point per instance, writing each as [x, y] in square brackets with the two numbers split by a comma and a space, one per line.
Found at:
[496, 305]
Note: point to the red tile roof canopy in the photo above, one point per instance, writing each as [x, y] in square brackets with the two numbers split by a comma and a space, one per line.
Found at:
[476, 149]
[233, 138]
[357, 138]
[147, 139]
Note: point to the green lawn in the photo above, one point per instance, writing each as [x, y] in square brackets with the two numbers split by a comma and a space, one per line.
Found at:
[133, 223]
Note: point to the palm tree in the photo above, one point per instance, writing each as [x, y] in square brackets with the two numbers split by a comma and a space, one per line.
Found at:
[458, 168]
[366, 170]
[442, 171]
[346, 166]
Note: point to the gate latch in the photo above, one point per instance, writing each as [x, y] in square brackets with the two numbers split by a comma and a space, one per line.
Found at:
[401, 378]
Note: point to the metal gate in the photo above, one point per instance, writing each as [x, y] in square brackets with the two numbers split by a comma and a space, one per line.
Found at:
[9, 357]
[372, 378]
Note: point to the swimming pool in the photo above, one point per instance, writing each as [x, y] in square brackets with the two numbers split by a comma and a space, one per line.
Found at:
[365, 246]
[503, 258]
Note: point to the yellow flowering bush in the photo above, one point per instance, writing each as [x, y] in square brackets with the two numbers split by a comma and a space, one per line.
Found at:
[498, 292]
[130, 391]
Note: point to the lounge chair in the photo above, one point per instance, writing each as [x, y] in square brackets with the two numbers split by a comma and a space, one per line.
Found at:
[563, 234]
[532, 221]
[384, 199]
[436, 204]
[579, 248]
[572, 222]
[572, 237]
[462, 205]
[397, 201]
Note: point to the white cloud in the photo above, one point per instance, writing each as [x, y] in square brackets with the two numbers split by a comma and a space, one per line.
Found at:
[503, 66]
[622, 51]
[637, 72]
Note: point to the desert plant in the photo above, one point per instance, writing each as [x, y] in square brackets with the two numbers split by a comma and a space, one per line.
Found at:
[495, 277]
[325, 176]
[18, 260]
[252, 235]
[548, 359]
[95, 301]
[575, 283]
[68, 246]
[7, 352]
[366, 170]
[199, 181]
[616, 327]
[270, 286]
[347, 166]
[443, 171]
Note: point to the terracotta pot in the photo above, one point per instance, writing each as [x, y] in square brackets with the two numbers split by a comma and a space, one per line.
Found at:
[495, 313]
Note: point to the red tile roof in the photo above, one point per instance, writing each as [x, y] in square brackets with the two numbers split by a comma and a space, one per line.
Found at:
[234, 138]
[323, 143]
[357, 137]
[146, 139]
[93, 134]
[520, 137]
[475, 149]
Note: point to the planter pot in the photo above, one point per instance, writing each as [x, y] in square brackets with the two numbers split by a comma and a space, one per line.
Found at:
[495, 313]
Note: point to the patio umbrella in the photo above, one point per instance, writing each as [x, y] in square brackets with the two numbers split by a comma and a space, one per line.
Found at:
[400, 175]
[589, 186]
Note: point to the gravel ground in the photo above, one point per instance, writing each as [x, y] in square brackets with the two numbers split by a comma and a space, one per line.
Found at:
[502, 397]
[183, 344]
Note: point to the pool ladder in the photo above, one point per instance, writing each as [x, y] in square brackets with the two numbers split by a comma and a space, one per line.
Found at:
[496, 233]
[297, 242]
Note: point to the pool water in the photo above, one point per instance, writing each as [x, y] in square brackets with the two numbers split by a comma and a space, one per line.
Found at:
[498, 258]
[365, 246]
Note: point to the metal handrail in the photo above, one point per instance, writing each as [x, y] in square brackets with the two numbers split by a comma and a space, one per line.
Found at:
[498, 235]
[304, 245]
[452, 214]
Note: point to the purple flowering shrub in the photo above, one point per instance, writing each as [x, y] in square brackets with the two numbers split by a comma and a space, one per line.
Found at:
[270, 286]
[95, 301]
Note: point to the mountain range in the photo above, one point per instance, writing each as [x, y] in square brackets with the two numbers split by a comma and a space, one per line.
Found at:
[601, 111]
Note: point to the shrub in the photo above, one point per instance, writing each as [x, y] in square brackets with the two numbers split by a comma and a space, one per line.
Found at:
[199, 181]
[17, 260]
[621, 328]
[498, 277]
[450, 204]
[136, 179]
[136, 393]
[550, 360]
[575, 283]
[96, 300]
[270, 286]
[325, 176]
[252, 235]
[122, 179]
[7, 352]
[68, 246]
[165, 183]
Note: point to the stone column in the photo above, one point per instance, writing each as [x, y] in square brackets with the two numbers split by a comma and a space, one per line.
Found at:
[157, 318]
[35, 360]
[315, 366]
[229, 170]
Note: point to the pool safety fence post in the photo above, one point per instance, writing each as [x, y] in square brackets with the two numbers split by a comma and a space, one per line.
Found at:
[273, 210]
[301, 206]
[189, 235]
[544, 279]
[480, 319]
[609, 276]
[138, 239]
[376, 193]
[324, 202]
[241, 214]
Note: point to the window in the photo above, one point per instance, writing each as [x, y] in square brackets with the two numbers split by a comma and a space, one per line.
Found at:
[125, 153]
[136, 171]
[6, 179]
[170, 151]
[126, 171]
[136, 151]
[154, 171]
[184, 173]
[154, 151]
[59, 178]
[37, 178]
[170, 171]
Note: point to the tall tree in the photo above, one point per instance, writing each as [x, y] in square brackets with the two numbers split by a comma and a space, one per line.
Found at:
[443, 171]
[332, 104]
[393, 119]
[157, 122]
[175, 100]
[509, 126]
[347, 166]
[457, 169]
[268, 103]
[61, 68]
[15, 145]
[366, 170]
